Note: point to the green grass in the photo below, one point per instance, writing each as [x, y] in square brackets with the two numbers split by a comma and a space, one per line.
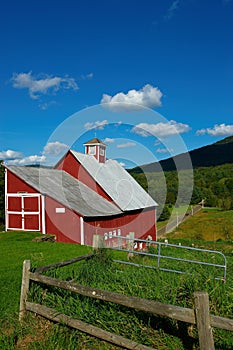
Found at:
[15, 247]
[209, 224]
[101, 272]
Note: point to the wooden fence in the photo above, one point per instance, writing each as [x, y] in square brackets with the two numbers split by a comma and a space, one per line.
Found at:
[198, 316]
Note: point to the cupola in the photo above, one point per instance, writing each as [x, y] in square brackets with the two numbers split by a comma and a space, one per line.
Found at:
[96, 148]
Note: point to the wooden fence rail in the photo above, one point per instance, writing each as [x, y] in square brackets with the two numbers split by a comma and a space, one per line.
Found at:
[198, 316]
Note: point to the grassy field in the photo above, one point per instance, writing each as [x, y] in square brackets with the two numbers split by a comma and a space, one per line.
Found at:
[17, 247]
[209, 224]
[101, 272]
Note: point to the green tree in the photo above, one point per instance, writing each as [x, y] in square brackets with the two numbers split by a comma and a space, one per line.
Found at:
[165, 214]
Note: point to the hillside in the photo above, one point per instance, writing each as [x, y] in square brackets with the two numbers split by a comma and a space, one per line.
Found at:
[218, 153]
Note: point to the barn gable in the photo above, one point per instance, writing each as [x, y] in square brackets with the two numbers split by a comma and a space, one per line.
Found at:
[72, 166]
[126, 193]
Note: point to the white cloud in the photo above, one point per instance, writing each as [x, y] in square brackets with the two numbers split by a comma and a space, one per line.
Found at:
[160, 129]
[217, 130]
[16, 158]
[9, 154]
[27, 160]
[133, 100]
[108, 140]
[37, 86]
[55, 148]
[126, 145]
[87, 76]
[96, 125]
[122, 164]
[46, 105]
[172, 9]
[164, 150]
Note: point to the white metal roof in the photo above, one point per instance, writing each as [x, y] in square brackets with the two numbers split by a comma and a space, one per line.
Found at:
[116, 182]
[64, 188]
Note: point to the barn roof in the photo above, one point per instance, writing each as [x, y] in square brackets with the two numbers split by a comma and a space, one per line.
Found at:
[67, 190]
[116, 182]
[94, 141]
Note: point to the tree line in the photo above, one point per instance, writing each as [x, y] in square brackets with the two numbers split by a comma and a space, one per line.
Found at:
[214, 184]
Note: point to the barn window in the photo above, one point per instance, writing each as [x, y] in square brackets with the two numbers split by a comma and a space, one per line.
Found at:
[101, 151]
[92, 150]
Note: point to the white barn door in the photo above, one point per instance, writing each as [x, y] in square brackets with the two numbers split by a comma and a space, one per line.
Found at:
[23, 211]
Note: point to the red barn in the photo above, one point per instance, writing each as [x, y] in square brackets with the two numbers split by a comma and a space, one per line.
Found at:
[84, 194]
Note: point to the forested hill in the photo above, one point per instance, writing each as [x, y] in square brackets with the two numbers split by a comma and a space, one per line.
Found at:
[218, 153]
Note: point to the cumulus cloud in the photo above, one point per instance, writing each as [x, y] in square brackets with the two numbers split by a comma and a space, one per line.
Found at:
[133, 100]
[37, 86]
[27, 160]
[217, 130]
[160, 129]
[55, 148]
[108, 140]
[16, 158]
[96, 125]
[9, 154]
[126, 145]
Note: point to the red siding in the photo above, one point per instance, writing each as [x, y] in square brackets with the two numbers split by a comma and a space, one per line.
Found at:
[31, 221]
[71, 165]
[15, 184]
[141, 223]
[66, 226]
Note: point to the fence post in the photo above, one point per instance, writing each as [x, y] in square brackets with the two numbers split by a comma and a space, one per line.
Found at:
[98, 242]
[24, 288]
[130, 244]
[206, 340]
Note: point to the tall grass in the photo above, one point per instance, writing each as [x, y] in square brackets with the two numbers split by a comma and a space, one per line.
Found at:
[101, 272]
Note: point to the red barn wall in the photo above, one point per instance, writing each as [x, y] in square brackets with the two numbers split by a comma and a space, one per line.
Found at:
[31, 221]
[141, 223]
[66, 226]
[72, 166]
[15, 184]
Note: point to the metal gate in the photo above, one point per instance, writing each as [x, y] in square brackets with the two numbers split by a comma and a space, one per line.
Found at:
[171, 257]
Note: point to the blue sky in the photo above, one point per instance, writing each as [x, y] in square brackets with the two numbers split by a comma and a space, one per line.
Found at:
[150, 78]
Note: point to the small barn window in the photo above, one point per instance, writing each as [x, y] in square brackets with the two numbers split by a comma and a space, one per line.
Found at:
[92, 150]
[102, 151]
[60, 210]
